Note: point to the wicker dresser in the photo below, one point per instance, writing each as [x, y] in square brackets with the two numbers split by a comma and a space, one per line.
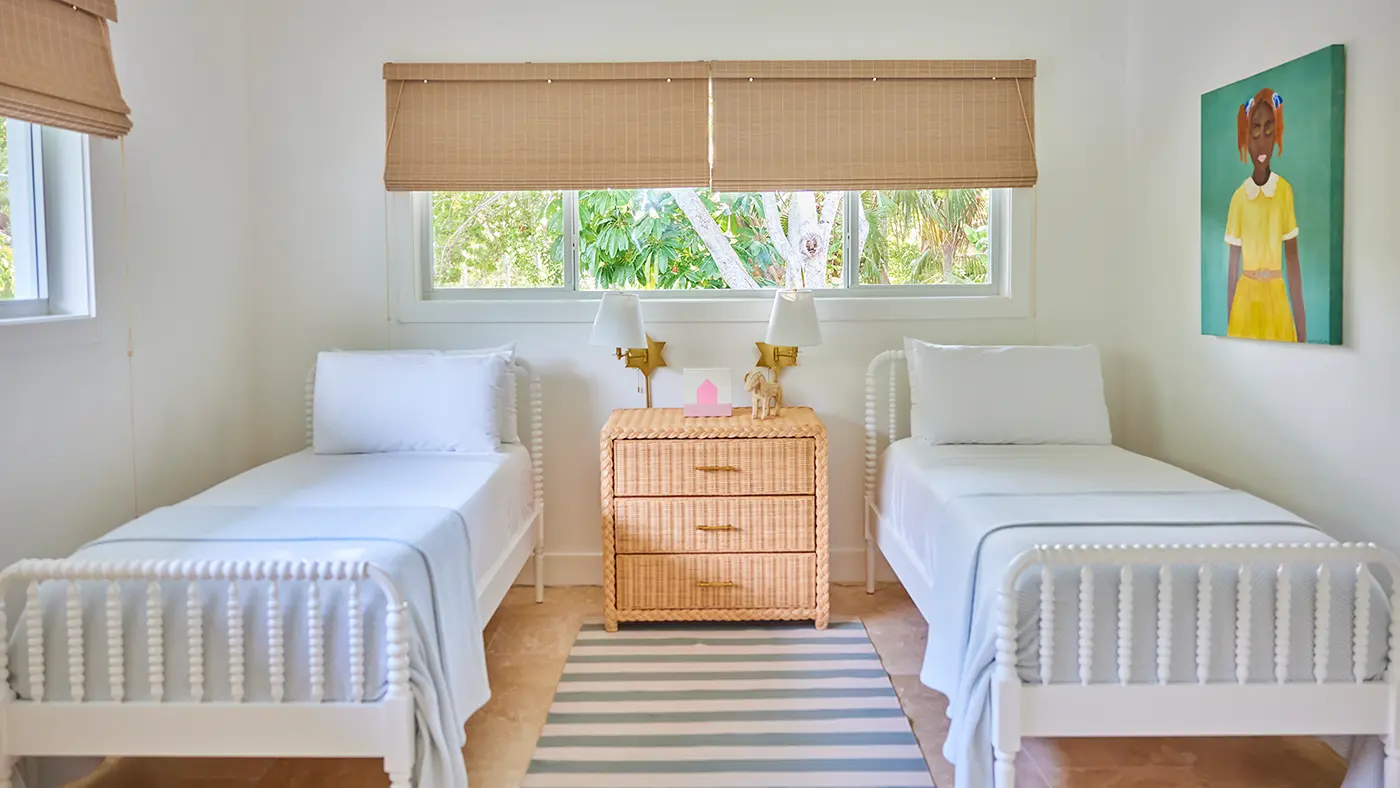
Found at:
[714, 519]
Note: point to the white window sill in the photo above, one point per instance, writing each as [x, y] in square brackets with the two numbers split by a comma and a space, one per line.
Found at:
[712, 309]
[31, 320]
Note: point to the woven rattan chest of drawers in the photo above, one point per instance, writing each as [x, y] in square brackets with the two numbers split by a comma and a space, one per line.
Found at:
[714, 519]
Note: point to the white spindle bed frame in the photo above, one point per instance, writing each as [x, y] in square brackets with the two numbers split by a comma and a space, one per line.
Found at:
[1093, 707]
[39, 725]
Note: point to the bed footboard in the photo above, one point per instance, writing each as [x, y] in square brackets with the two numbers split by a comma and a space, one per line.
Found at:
[1203, 705]
[34, 723]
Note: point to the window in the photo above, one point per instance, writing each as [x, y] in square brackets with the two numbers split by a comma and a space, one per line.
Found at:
[23, 285]
[45, 265]
[931, 242]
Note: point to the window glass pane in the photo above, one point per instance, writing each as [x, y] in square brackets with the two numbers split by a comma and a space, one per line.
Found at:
[929, 237]
[498, 239]
[680, 239]
[7, 247]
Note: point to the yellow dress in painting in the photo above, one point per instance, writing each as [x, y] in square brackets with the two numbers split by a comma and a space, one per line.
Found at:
[1261, 219]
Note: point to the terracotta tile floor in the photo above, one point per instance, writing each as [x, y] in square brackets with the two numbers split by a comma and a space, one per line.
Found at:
[527, 645]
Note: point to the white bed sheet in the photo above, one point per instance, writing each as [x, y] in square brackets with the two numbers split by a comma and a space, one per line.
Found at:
[957, 515]
[492, 492]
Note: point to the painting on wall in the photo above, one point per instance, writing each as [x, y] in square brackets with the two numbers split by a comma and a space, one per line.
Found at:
[1271, 205]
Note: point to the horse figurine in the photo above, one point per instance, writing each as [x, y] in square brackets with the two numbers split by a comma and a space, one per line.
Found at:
[767, 394]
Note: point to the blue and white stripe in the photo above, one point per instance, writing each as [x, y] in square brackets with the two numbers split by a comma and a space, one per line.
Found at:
[726, 705]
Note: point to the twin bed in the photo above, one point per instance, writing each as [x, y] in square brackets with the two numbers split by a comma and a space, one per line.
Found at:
[319, 605]
[1079, 589]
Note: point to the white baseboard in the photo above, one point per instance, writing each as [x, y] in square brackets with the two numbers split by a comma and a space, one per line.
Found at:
[586, 569]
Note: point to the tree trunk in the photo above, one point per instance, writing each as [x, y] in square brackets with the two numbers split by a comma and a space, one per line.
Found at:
[807, 237]
[948, 252]
[735, 274]
[772, 217]
[808, 240]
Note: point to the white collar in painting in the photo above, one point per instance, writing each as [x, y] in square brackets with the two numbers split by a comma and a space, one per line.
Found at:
[1252, 189]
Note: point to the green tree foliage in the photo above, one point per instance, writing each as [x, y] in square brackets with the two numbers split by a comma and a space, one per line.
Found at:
[640, 239]
[498, 239]
[628, 239]
[7, 252]
[936, 236]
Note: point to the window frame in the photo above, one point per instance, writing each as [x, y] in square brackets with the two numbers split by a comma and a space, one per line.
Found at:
[409, 269]
[56, 167]
[997, 215]
[26, 180]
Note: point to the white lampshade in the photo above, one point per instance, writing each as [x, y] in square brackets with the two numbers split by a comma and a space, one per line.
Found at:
[794, 320]
[619, 322]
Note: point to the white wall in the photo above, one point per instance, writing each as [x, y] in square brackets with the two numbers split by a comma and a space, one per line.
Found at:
[319, 208]
[72, 405]
[1313, 428]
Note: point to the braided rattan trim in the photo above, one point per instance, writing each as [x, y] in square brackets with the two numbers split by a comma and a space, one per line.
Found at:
[823, 579]
[672, 423]
[609, 539]
[715, 525]
[719, 614]
[771, 466]
[678, 582]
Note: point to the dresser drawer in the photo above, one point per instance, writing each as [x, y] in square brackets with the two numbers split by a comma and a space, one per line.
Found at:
[702, 582]
[748, 466]
[716, 525]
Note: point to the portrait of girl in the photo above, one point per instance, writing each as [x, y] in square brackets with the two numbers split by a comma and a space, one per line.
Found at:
[1262, 232]
[1271, 207]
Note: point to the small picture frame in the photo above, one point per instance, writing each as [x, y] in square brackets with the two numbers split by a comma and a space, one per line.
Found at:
[708, 392]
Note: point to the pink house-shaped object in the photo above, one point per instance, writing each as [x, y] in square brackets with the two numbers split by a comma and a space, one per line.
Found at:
[707, 401]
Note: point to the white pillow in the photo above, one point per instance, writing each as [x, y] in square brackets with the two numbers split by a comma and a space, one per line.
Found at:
[510, 415]
[388, 402]
[1013, 394]
[510, 422]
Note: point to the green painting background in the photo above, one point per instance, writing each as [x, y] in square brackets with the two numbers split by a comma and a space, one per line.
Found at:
[1314, 97]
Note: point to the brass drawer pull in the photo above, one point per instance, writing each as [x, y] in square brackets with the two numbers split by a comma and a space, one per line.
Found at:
[715, 584]
[716, 468]
[715, 528]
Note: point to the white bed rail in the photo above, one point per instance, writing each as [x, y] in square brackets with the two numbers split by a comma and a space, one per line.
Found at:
[1269, 704]
[534, 427]
[33, 722]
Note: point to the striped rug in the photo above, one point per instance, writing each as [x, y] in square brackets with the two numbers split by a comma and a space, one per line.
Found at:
[741, 706]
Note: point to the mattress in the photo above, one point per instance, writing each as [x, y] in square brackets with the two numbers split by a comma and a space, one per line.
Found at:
[954, 517]
[493, 493]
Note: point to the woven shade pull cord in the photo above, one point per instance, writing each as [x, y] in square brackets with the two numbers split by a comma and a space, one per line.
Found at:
[388, 139]
[1035, 201]
[1024, 117]
[394, 119]
[130, 342]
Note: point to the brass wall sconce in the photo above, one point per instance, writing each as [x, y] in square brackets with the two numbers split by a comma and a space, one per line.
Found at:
[792, 324]
[619, 326]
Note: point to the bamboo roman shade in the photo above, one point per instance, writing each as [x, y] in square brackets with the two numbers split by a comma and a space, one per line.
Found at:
[878, 124]
[536, 126]
[56, 66]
